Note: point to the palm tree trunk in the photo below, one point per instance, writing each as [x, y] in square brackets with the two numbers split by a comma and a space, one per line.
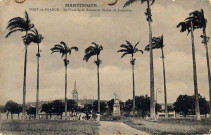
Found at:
[98, 79]
[65, 88]
[133, 90]
[208, 66]
[164, 80]
[37, 97]
[24, 83]
[152, 93]
[195, 77]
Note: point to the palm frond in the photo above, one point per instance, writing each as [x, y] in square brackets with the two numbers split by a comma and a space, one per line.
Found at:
[129, 49]
[96, 45]
[27, 17]
[124, 46]
[74, 48]
[87, 56]
[129, 2]
[137, 50]
[152, 1]
[124, 54]
[63, 43]
[122, 50]
[147, 48]
[184, 26]
[92, 50]
[130, 46]
[136, 45]
[100, 47]
[12, 31]
[14, 25]
[20, 23]
[16, 19]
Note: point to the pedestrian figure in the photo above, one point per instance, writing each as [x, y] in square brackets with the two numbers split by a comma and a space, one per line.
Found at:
[98, 117]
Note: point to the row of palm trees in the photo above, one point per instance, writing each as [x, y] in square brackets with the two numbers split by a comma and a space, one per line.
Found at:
[195, 21]
[19, 24]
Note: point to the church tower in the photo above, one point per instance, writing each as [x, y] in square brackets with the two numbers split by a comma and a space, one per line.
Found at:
[75, 93]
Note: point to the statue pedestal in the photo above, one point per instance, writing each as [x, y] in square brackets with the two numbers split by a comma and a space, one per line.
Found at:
[116, 108]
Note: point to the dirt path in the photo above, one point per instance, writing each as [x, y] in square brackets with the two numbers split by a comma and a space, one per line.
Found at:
[118, 128]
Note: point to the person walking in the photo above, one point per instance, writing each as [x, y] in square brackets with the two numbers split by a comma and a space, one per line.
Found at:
[98, 117]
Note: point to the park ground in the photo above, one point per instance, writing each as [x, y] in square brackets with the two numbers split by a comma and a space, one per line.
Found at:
[171, 126]
[48, 127]
[125, 126]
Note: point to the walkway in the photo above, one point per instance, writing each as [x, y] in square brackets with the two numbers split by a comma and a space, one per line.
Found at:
[118, 128]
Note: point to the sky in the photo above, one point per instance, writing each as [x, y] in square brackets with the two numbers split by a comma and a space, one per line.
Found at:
[109, 29]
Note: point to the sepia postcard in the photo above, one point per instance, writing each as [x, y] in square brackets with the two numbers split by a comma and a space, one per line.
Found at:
[105, 67]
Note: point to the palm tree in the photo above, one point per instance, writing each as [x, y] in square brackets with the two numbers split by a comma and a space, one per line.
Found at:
[36, 38]
[157, 43]
[89, 52]
[149, 19]
[64, 50]
[19, 24]
[130, 49]
[202, 23]
[190, 24]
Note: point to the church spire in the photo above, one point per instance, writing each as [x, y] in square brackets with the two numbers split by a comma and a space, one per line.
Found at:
[75, 93]
[75, 86]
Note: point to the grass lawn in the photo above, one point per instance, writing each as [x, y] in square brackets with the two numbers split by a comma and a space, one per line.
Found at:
[171, 126]
[48, 127]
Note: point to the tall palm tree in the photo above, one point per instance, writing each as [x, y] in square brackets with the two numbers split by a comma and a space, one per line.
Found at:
[149, 19]
[36, 38]
[92, 51]
[130, 49]
[19, 24]
[190, 24]
[64, 50]
[157, 43]
[201, 22]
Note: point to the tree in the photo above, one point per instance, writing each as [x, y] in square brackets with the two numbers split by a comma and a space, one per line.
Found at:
[92, 51]
[31, 111]
[12, 107]
[71, 105]
[1, 110]
[102, 106]
[128, 106]
[157, 42]
[185, 105]
[149, 19]
[190, 24]
[47, 108]
[87, 109]
[58, 107]
[18, 110]
[36, 38]
[203, 24]
[203, 104]
[64, 50]
[19, 24]
[130, 49]
[170, 108]
[143, 105]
